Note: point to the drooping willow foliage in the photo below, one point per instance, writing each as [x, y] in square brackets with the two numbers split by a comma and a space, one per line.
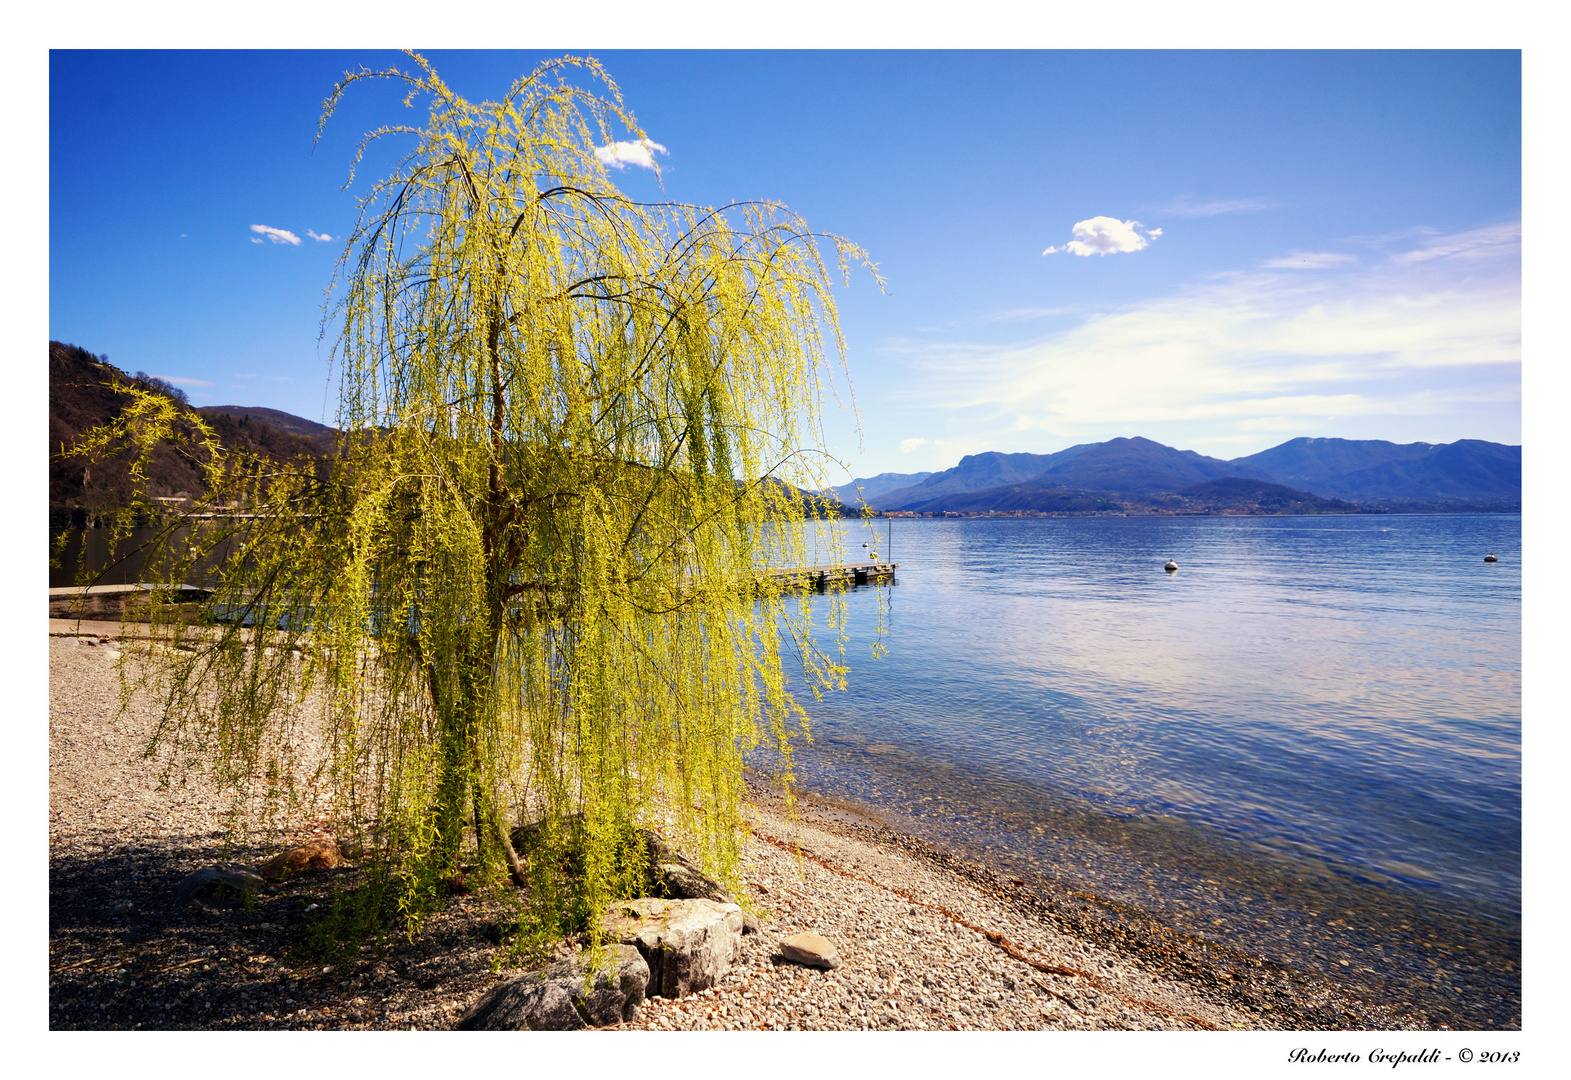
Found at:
[530, 583]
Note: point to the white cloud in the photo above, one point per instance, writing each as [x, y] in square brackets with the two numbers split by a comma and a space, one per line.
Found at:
[181, 381]
[1106, 236]
[1433, 331]
[619, 155]
[277, 236]
[1185, 206]
[908, 445]
[316, 235]
[1310, 260]
[1490, 242]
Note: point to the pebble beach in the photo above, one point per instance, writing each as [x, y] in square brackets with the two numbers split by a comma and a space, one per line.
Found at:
[926, 940]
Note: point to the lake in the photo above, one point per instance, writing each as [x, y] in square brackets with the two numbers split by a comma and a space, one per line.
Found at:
[1305, 743]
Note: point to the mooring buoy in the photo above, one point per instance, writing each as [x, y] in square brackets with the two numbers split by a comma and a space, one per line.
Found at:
[1171, 566]
[1490, 558]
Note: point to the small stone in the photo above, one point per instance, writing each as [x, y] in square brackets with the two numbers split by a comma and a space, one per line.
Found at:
[810, 949]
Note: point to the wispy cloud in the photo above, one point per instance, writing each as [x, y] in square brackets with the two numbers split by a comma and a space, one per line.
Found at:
[1186, 206]
[908, 445]
[1106, 236]
[1017, 314]
[1430, 330]
[619, 155]
[1492, 242]
[1310, 260]
[316, 235]
[180, 380]
[277, 236]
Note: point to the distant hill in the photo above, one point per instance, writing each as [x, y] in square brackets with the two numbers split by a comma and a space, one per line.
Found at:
[871, 487]
[1313, 464]
[83, 394]
[1300, 476]
[1135, 466]
[976, 472]
[1140, 466]
[1372, 470]
[321, 435]
[1239, 494]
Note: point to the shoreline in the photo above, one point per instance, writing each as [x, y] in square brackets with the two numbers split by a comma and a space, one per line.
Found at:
[1449, 963]
[928, 940]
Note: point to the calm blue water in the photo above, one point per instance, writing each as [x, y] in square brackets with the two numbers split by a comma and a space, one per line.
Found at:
[1311, 712]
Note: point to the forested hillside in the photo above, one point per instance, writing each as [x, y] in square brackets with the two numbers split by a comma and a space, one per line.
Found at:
[86, 391]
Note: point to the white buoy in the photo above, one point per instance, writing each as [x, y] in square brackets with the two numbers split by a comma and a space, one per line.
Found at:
[1171, 566]
[1490, 558]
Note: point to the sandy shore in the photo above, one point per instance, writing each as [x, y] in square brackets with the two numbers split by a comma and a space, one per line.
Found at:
[927, 941]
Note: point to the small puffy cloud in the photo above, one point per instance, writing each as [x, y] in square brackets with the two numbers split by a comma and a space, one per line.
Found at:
[277, 236]
[619, 155]
[1106, 236]
[316, 235]
[908, 445]
[1310, 260]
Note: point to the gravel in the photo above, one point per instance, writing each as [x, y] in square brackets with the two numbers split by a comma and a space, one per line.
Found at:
[925, 941]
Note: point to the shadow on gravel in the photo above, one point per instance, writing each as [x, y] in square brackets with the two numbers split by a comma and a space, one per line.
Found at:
[122, 956]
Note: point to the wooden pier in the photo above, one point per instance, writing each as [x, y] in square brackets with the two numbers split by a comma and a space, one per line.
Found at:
[114, 601]
[834, 577]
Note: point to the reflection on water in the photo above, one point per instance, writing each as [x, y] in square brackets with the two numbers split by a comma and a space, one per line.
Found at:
[1312, 716]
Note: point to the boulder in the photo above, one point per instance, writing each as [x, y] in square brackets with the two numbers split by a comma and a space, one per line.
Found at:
[672, 875]
[567, 996]
[810, 949]
[219, 885]
[317, 855]
[688, 944]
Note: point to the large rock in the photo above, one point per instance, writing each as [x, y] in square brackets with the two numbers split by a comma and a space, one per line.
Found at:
[219, 885]
[567, 996]
[674, 876]
[670, 875]
[316, 855]
[688, 944]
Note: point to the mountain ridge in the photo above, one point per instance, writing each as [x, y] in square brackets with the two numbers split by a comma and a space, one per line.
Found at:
[1135, 473]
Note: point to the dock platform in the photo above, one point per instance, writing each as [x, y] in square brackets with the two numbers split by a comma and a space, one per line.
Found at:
[830, 576]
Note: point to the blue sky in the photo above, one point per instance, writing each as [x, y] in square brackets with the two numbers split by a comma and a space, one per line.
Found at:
[1320, 243]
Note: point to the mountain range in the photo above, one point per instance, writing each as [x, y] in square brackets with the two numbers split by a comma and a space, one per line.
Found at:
[1130, 474]
[1302, 475]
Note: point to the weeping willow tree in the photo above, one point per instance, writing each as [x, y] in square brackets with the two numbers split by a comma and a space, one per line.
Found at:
[530, 584]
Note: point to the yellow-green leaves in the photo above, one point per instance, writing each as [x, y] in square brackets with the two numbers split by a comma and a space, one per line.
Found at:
[573, 429]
